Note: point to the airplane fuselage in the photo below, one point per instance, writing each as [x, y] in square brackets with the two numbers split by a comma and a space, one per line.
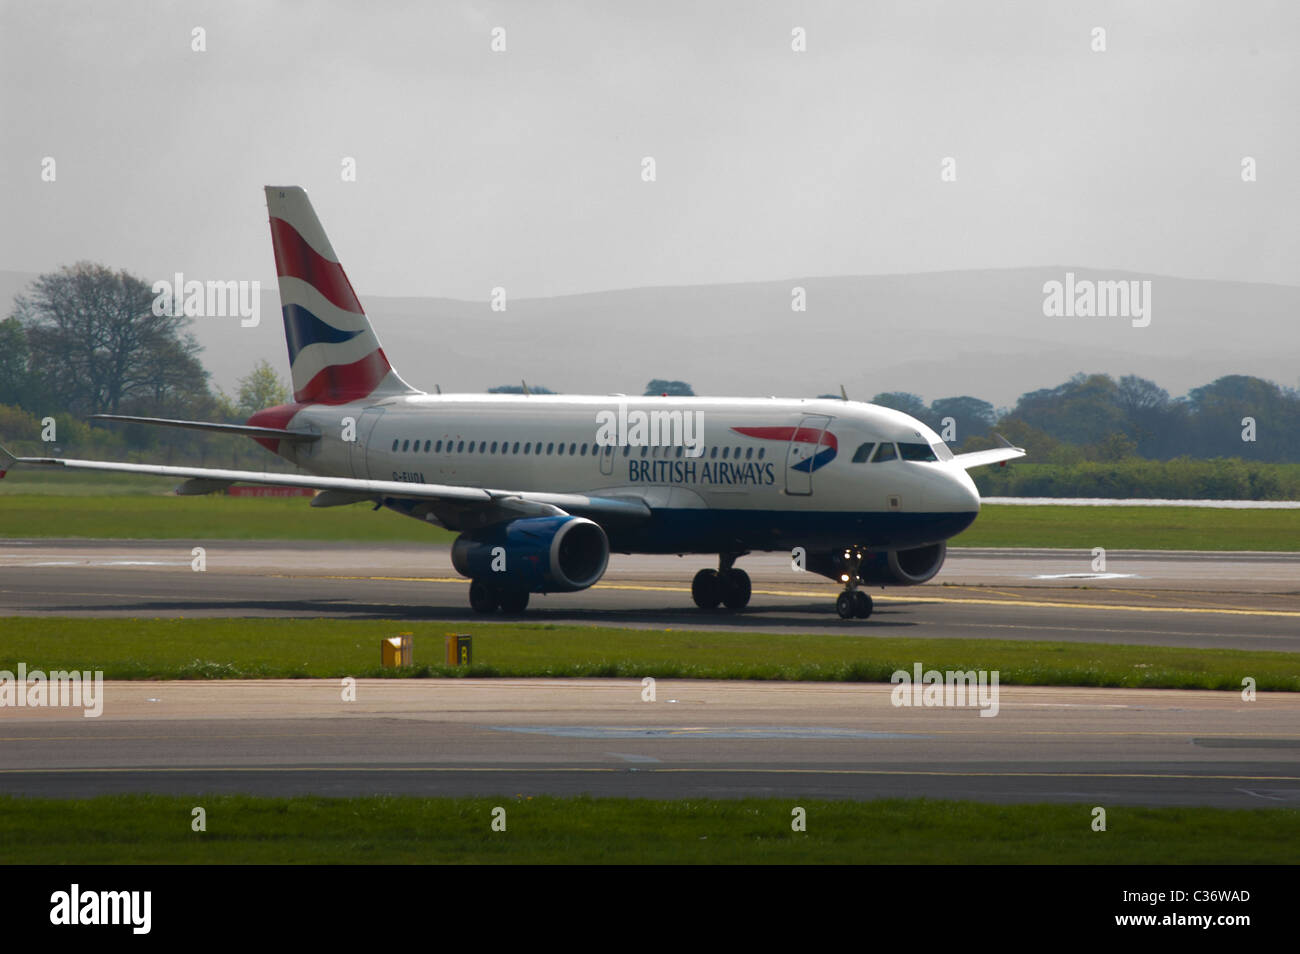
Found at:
[767, 474]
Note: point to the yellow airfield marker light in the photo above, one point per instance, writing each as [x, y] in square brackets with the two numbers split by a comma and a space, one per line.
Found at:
[397, 650]
[460, 649]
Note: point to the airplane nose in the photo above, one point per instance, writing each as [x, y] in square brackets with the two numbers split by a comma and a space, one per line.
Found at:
[958, 493]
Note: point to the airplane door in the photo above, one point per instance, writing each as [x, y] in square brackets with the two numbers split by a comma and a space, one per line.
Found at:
[365, 426]
[800, 454]
[606, 460]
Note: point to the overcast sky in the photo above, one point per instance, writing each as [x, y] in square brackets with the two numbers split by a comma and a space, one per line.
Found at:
[523, 168]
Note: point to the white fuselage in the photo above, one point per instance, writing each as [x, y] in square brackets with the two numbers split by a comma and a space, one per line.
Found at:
[786, 469]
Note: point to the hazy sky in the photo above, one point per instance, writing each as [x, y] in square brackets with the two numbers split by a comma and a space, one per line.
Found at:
[523, 168]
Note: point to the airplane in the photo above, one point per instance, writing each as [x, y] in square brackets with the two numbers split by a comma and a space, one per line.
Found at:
[543, 488]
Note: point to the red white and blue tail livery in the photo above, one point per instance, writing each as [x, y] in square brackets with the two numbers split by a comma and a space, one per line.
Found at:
[334, 356]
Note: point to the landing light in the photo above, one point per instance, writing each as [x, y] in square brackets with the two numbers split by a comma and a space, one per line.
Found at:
[844, 577]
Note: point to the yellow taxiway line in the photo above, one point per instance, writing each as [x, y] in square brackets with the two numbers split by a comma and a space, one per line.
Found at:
[968, 600]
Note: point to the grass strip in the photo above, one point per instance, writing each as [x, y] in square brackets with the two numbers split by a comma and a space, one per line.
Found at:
[150, 829]
[136, 516]
[225, 648]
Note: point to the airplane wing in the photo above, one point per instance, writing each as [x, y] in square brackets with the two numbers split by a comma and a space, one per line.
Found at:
[994, 455]
[246, 430]
[487, 505]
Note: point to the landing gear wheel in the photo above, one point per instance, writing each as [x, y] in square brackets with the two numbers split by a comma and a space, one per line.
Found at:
[514, 602]
[735, 589]
[706, 589]
[844, 605]
[862, 604]
[482, 597]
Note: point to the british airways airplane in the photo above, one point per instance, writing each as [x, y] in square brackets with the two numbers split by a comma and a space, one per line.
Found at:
[541, 489]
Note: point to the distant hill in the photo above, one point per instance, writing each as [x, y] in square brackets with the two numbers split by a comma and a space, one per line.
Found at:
[935, 334]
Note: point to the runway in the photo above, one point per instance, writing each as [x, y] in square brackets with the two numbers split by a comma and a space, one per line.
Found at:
[1200, 600]
[696, 739]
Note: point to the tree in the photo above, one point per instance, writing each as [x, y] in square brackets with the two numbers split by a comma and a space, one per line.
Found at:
[96, 345]
[1219, 408]
[671, 388]
[972, 417]
[517, 389]
[15, 381]
[260, 388]
[1083, 410]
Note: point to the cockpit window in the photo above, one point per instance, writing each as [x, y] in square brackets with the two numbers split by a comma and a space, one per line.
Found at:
[863, 452]
[884, 452]
[916, 452]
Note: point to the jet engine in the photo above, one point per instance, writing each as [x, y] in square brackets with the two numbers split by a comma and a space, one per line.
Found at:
[558, 554]
[885, 567]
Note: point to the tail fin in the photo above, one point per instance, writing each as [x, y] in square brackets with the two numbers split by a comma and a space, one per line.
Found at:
[334, 355]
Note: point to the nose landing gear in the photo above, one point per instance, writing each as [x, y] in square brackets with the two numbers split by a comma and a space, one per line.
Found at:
[853, 602]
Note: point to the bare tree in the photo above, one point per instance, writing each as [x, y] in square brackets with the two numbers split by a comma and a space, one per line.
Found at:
[96, 344]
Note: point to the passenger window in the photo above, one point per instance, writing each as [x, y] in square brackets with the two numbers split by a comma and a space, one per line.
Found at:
[460, 447]
[516, 450]
[861, 455]
[395, 443]
[761, 452]
[561, 448]
[713, 453]
[427, 445]
[406, 445]
[572, 448]
[550, 448]
[749, 453]
[884, 452]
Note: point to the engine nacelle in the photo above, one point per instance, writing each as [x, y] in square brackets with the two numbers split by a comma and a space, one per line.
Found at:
[538, 554]
[885, 568]
[904, 567]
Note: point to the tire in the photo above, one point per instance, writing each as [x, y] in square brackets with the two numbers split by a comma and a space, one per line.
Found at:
[514, 602]
[736, 589]
[844, 605]
[706, 589]
[862, 604]
[482, 597]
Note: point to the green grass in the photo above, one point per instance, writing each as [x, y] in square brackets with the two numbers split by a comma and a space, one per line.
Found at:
[146, 829]
[216, 517]
[1133, 528]
[298, 648]
[141, 509]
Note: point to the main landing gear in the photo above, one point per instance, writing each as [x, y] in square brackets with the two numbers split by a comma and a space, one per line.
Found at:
[853, 602]
[726, 585]
[485, 597]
